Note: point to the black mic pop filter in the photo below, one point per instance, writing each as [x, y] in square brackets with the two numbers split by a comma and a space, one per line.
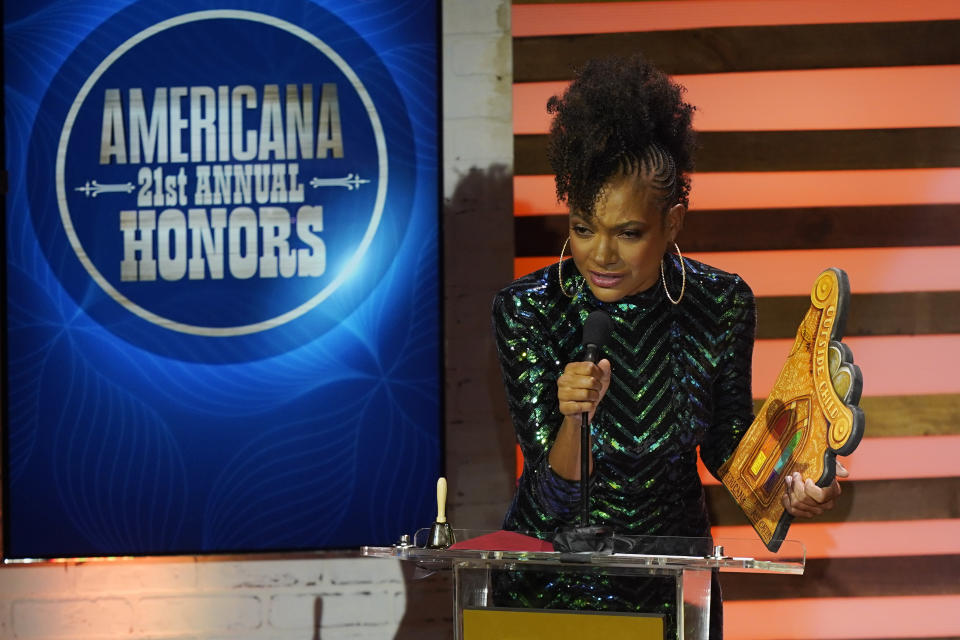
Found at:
[596, 332]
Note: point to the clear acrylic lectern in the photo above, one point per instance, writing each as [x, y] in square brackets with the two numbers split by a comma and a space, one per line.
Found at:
[683, 566]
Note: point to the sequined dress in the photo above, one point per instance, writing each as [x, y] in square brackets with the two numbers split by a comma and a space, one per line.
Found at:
[680, 380]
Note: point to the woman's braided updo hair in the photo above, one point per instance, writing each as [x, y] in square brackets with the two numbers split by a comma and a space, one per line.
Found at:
[620, 115]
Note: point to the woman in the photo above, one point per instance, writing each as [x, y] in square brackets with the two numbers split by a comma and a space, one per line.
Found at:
[676, 375]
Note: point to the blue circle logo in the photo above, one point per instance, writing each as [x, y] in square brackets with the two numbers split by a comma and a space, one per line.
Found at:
[222, 174]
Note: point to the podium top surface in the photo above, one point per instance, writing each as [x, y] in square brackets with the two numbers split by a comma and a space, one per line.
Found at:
[481, 549]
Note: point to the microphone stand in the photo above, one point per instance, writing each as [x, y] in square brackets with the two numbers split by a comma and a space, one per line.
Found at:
[584, 538]
[596, 331]
[584, 470]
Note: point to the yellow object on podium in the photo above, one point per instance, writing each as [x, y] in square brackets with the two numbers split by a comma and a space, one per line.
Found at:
[544, 624]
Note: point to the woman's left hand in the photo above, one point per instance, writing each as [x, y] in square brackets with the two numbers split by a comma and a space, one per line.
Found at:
[804, 499]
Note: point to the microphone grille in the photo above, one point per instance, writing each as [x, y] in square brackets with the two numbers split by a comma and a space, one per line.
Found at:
[597, 328]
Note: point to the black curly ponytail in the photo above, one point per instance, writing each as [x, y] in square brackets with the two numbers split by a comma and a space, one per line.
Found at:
[620, 115]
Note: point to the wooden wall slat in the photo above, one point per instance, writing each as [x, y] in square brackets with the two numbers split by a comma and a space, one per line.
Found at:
[790, 273]
[927, 415]
[892, 365]
[870, 314]
[901, 416]
[733, 49]
[572, 16]
[849, 617]
[912, 148]
[928, 225]
[864, 501]
[880, 539]
[825, 150]
[844, 577]
[795, 99]
[777, 229]
[535, 195]
[896, 637]
[891, 458]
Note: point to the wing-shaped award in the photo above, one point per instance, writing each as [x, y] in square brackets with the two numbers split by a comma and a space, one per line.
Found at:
[810, 417]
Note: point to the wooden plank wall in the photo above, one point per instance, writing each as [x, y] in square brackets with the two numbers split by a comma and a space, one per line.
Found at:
[830, 137]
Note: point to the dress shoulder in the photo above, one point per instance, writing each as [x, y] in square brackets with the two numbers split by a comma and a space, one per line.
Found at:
[719, 287]
[535, 290]
[542, 280]
[715, 277]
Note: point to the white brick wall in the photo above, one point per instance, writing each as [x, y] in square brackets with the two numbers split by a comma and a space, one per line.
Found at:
[121, 577]
[477, 87]
[203, 598]
[72, 618]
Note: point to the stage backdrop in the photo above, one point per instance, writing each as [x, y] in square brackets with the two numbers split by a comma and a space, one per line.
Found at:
[222, 301]
[830, 136]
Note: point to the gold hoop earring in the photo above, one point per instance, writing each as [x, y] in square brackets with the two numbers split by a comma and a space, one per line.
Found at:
[560, 272]
[683, 277]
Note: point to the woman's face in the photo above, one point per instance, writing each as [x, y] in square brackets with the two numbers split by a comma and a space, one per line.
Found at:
[618, 249]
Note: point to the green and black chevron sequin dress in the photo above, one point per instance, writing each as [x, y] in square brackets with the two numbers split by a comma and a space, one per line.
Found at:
[680, 380]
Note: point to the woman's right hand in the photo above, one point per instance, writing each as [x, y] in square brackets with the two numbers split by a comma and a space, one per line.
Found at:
[582, 386]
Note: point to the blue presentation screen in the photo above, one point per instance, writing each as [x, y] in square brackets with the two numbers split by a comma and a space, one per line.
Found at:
[221, 327]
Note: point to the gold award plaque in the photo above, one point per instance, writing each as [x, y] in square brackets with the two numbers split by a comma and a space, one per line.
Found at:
[810, 417]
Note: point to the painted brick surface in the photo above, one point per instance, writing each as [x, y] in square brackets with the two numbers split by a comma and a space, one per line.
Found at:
[24, 580]
[374, 609]
[5, 619]
[125, 577]
[477, 99]
[472, 143]
[475, 91]
[357, 632]
[198, 613]
[72, 618]
[207, 599]
[471, 55]
[475, 16]
[363, 571]
[296, 611]
[260, 574]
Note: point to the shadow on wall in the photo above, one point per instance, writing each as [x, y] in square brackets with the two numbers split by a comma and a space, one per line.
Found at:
[317, 616]
[429, 613]
[478, 244]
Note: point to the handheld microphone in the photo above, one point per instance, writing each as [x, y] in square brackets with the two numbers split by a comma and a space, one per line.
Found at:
[596, 332]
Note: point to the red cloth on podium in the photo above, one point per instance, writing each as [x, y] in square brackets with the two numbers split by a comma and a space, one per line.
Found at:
[504, 541]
